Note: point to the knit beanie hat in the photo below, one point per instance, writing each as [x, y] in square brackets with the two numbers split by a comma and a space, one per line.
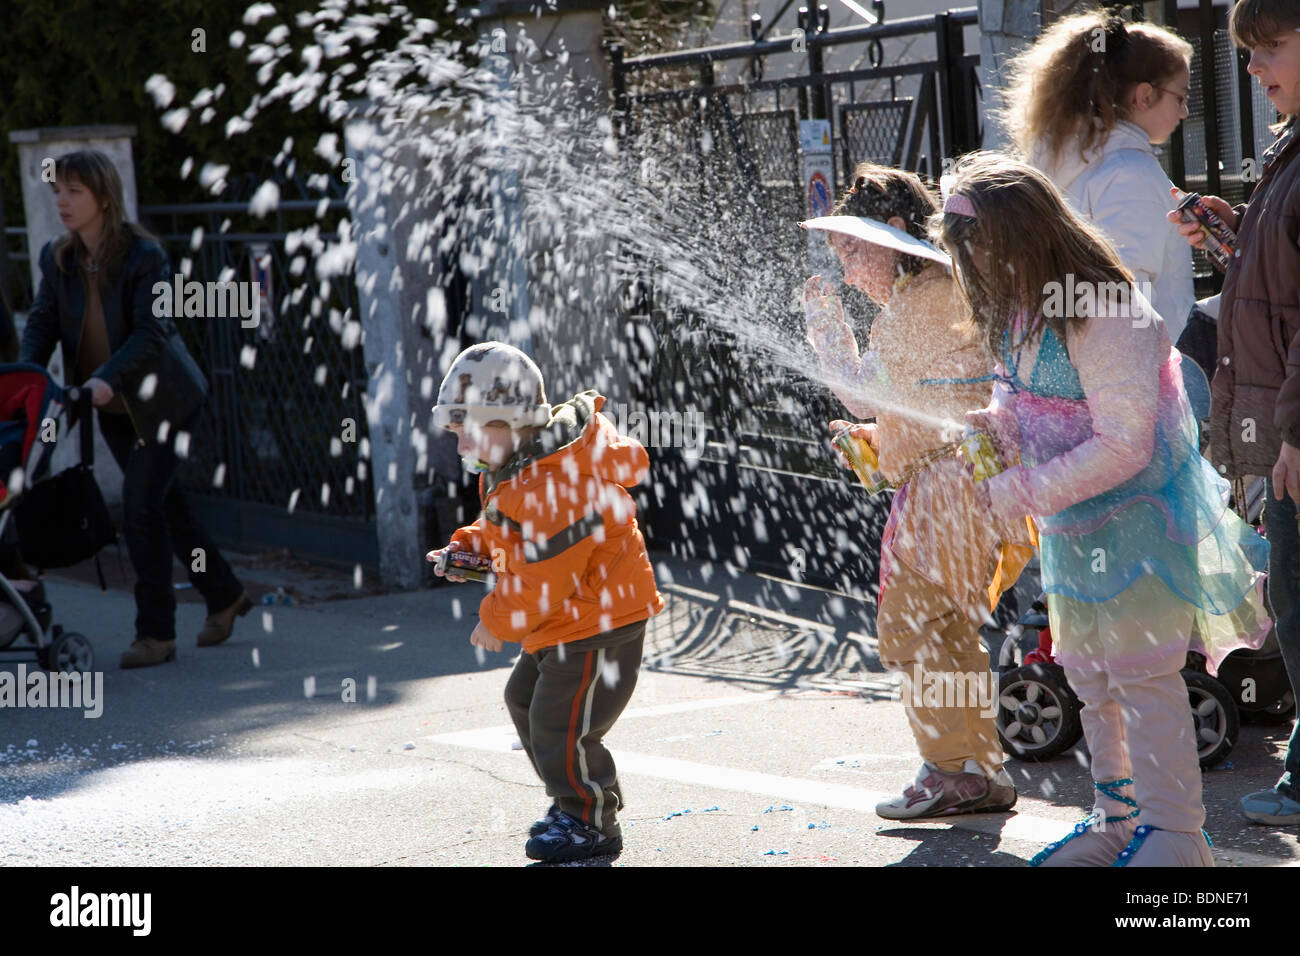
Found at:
[492, 382]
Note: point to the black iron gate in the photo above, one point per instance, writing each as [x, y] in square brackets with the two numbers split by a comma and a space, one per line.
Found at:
[766, 493]
[280, 458]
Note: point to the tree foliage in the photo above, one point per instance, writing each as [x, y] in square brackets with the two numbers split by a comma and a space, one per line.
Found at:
[89, 62]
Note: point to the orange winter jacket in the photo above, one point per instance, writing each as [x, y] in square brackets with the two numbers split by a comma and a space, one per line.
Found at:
[562, 531]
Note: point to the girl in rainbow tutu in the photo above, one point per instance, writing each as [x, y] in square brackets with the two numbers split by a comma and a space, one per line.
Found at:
[1139, 551]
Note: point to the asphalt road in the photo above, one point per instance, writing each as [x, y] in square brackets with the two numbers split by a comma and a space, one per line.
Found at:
[761, 733]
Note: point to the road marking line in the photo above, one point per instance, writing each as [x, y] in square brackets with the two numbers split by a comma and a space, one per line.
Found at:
[500, 737]
[819, 792]
[1023, 827]
[686, 706]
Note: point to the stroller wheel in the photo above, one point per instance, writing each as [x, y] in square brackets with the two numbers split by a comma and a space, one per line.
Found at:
[1280, 712]
[1038, 713]
[69, 652]
[1214, 713]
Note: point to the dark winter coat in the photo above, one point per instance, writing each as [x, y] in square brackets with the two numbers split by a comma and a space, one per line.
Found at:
[140, 342]
[1256, 388]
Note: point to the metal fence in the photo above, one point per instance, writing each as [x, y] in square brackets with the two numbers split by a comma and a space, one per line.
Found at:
[280, 457]
[904, 93]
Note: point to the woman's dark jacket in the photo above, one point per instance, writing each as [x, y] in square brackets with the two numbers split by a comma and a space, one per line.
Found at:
[140, 342]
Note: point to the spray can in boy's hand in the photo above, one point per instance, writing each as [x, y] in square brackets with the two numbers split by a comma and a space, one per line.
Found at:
[979, 451]
[862, 459]
[1220, 241]
[466, 564]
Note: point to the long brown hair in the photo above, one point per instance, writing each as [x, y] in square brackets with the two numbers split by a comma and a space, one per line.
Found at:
[883, 192]
[1073, 82]
[96, 172]
[1023, 239]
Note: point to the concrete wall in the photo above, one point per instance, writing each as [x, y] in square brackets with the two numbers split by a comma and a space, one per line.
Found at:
[1006, 28]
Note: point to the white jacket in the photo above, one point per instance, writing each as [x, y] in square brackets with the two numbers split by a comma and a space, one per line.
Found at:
[1122, 190]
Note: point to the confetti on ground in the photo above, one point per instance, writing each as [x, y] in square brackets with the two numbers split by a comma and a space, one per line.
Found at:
[777, 853]
[781, 809]
[678, 813]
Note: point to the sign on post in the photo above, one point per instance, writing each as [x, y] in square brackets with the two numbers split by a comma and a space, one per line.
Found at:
[819, 185]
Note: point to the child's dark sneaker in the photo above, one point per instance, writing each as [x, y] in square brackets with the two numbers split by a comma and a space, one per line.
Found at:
[541, 826]
[568, 838]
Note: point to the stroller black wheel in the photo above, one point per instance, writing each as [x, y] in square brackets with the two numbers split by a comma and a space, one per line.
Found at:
[1279, 713]
[69, 652]
[1038, 712]
[1214, 713]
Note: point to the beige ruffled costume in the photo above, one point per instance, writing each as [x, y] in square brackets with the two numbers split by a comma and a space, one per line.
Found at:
[944, 559]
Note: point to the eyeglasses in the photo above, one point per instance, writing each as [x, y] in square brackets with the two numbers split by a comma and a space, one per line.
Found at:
[1180, 97]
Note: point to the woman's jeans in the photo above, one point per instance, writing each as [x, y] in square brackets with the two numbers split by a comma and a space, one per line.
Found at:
[1284, 598]
[157, 525]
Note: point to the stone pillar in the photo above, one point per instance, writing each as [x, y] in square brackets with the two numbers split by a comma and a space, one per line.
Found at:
[404, 207]
[37, 148]
[387, 294]
[548, 50]
[1006, 28]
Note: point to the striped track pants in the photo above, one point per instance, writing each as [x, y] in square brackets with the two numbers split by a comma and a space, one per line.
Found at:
[563, 700]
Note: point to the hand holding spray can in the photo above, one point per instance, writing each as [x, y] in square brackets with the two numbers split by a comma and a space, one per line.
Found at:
[1220, 241]
[862, 459]
[979, 451]
[466, 564]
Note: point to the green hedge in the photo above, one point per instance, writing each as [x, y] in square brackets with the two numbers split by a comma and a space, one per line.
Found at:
[87, 63]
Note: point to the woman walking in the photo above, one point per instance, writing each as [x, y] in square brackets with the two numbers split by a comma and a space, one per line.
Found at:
[96, 298]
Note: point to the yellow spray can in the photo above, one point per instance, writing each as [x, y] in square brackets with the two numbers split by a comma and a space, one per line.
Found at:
[862, 458]
[979, 451]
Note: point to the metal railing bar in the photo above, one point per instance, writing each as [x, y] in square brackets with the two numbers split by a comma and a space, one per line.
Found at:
[907, 69]
[733, 51]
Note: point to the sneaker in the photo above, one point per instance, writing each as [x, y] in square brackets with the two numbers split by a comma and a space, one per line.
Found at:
[1269, 806]
[541, 826]
[567, 839]
[936, 793]
[1001, 796]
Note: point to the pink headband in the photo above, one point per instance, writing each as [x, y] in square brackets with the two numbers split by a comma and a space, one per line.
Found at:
[959, 205]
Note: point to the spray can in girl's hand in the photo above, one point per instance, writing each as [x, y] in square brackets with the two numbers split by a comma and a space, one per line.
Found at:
[979, 451]
[862, 459]
[1220, 241]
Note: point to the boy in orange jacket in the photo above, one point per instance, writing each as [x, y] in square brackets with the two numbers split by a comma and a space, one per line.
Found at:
[574, 584]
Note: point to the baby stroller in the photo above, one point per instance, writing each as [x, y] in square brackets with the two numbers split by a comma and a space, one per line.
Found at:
[31, 406]
[1038, 712]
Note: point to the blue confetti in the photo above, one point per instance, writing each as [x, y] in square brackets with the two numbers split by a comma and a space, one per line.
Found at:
[678, 813]
[777, 853]
[776, 809]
